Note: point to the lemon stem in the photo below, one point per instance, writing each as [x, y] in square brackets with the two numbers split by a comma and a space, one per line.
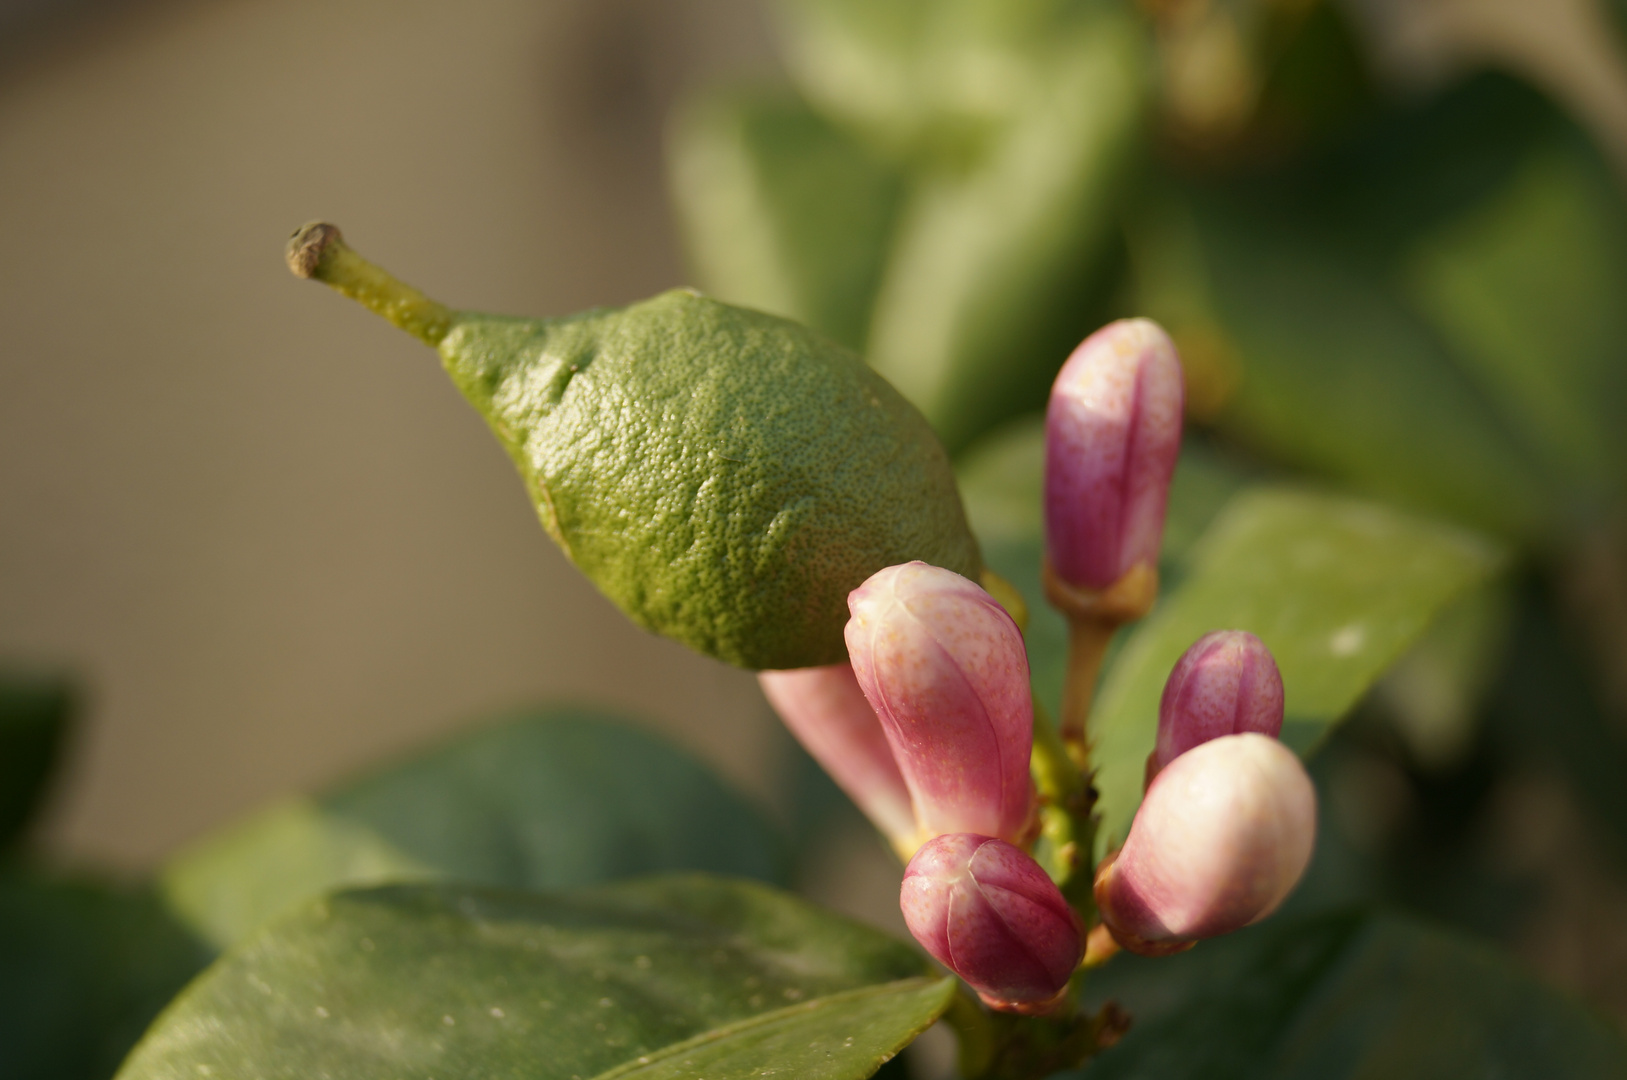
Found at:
[318, 250]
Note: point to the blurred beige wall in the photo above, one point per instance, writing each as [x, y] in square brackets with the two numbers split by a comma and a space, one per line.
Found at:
[257, 520]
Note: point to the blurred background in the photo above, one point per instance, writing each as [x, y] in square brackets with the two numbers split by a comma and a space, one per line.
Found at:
[259, 527]
[270, 545]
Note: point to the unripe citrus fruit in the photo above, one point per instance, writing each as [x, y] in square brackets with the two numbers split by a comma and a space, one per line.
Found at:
[725, 476]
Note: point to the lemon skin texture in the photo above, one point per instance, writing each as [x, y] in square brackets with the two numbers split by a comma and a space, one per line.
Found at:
[724, 476]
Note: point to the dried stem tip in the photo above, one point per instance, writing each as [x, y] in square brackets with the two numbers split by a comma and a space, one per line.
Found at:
[309, 244]
[318, 250]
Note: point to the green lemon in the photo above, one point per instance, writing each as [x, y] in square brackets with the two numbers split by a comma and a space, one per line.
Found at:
[725, 476]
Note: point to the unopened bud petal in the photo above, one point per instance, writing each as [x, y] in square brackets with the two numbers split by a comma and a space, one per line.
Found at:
[988, 912]
[945, 669]
[1227, 683]
[1222, 837]
[826, 711]
[1112, 434]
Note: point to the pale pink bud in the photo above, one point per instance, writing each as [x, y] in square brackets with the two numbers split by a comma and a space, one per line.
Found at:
[1112, 434]
[1225, 684]
[988, 913]
[1222, 837]
[944, 668]
[826, 711]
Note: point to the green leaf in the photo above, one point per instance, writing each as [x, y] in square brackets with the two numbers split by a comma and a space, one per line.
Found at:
[1338, 376]
[84, 967]
[1433, 693]
[782, 210]
[33, 721]
[549, 800]
[1428, 311]
[925, 77]
[1551, 711]
[997, 265]
[685, 976]
[1527, 287]
[1347, 996]
[1336, 588]
[1002, 482]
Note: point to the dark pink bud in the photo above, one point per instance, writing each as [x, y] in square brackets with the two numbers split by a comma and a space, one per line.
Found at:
[988, 913]
[826, 711]
[1220, 840]
[945, 669]
[1112, 434]
[1225, 684]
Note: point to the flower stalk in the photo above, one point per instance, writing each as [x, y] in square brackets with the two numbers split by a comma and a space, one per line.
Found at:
[1112, 436]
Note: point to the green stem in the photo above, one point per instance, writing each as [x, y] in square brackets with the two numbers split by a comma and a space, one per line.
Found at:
[1066, 822]
[318, 250]
[975, 1029]
[1088, 638]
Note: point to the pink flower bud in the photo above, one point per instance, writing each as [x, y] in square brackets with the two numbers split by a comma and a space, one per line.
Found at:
[1221, 838]
[944, 668]
[988, 912]
[826, 711]
[1112, 434]
[1225, 684]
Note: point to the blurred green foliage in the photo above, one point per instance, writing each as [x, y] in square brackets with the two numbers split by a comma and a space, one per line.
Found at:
[85, 962]
[1411, 294]
[34, 715]
[1347, 994]
[1414, 294]
[85, 965]
[548, 799]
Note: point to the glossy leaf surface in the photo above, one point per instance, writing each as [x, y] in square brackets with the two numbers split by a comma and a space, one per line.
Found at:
[670, 977]
[1336, 588]
[1347, 996]
[549, 800]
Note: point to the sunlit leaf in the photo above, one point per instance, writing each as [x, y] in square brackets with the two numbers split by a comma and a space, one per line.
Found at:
[1336, 588]
[687, 976]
